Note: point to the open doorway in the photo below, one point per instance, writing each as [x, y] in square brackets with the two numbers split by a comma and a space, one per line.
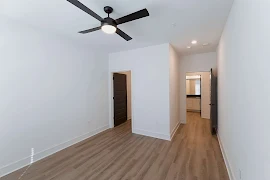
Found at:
[193, 92]
[121, 98]
[198, 95]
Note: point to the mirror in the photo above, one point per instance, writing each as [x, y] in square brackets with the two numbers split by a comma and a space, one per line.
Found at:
[193, 85]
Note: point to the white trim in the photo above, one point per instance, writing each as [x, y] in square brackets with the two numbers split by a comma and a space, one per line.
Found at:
[5, 170]
[227, 163]
[183, 122]
[152, 134]
[174, 130]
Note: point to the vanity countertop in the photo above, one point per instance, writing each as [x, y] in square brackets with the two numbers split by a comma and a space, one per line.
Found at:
[193, 96]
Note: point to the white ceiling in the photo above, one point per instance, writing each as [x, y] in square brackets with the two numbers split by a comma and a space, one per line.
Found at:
[202, 20]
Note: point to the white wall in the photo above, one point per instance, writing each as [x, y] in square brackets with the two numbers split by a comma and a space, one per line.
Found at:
[174, 90]
[193, 63]
[52, 93]
[128, 77]
[150, 88]
[243, 90]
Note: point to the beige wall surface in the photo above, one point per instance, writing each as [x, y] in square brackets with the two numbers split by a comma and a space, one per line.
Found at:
[187, 87]
[190, 86]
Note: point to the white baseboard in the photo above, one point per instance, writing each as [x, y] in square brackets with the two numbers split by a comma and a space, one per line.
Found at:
[227, 163]
[43, 154]
[174, 130]
[157, 135]
[152, 134]
[183, 122]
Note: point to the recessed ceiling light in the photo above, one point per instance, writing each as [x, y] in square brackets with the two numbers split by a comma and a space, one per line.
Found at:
[205, 44]
[194, 42]
[188, 47]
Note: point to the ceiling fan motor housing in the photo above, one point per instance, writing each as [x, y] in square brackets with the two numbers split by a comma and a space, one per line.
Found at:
[108, 9]
[109, 21]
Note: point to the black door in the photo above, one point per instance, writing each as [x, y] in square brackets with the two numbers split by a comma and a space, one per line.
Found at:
[213, 104]
[120, 98]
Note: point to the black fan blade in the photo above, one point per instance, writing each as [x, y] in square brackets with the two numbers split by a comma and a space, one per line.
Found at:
[123, 35]
[85, 9]
[137, 15]
[90, 30]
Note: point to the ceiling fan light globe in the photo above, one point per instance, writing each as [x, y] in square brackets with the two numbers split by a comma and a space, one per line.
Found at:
[109, 29]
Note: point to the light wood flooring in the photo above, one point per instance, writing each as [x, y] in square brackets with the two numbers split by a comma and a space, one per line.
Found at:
[115, 154]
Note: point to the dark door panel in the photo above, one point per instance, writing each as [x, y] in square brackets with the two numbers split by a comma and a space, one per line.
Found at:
[213, 103]
[120, 98]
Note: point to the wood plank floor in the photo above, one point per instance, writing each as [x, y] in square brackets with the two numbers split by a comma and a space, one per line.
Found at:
[118, 154]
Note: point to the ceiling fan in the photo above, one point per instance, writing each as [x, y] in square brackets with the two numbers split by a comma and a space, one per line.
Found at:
[109, 25]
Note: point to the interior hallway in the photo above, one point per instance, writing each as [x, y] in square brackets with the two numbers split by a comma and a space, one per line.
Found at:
[118, 154]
